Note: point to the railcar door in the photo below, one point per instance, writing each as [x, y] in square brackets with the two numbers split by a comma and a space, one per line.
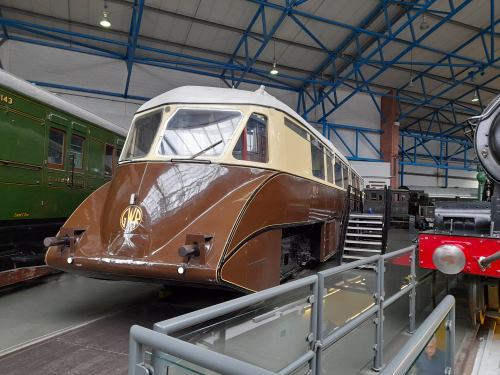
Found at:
[58, 133]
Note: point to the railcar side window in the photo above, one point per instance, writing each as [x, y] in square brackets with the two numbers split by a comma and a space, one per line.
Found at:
[55, 156]
[142, 135]
[338, 173]
[199, 131]
[108, 160]
[297, 129]
[345, 175]
[76, 151]
[252, 144]
[329, 168]
[318, 160]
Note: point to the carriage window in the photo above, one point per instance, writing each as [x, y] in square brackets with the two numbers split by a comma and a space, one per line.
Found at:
[338, 173]
[329, 168]
[345, 175]
[199, 131]
[76, 151]
[318, 160]
[295, 128]
[252, 144]
[142, 135]
[55, 156]
[108, 160]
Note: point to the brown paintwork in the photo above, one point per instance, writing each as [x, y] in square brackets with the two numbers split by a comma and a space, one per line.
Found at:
[180, 201]
[18, 275]
[256, 265]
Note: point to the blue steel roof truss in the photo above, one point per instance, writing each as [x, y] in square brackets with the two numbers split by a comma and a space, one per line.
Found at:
[337, 71]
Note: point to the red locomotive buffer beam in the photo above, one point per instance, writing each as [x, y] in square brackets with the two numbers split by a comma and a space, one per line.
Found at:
[453, 254]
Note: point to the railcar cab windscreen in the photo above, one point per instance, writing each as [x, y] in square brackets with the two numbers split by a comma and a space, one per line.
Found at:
[214, 186]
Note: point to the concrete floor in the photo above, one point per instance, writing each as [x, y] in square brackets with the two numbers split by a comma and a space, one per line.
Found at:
[89, 318]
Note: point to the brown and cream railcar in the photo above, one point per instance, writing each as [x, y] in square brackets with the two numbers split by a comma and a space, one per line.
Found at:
[214, 186]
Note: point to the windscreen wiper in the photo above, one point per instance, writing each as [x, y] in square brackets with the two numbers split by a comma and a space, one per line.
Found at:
[205, 150]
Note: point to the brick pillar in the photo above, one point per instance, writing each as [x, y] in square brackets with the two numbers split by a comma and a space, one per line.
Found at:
[389, 139]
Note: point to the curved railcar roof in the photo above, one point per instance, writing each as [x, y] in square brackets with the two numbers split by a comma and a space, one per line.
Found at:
[23, 87]
[218, 95]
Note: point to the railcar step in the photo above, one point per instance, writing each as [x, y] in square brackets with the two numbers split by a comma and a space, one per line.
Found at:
[364, 228]
[365, 216]
[365, 242]
[365, 222]
[361, 235]
[360, 249]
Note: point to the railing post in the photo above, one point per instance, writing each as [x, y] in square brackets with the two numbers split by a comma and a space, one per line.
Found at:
[319, 320]
[413, 292]
[378, 347]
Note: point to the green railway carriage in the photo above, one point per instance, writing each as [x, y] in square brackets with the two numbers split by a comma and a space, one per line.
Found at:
[52, 155]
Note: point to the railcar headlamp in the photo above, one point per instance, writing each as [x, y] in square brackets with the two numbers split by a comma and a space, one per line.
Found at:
[69, 260]
[181, 270]
[449, 259]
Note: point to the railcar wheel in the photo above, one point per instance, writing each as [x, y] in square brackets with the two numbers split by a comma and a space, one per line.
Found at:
[477, 306]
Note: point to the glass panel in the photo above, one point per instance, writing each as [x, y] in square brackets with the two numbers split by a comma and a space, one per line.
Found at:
[397, 274]
[199, 131]
[318, 159]
[168, 364]
[345, 175]
[329, 168]
[352, 353]
[55, 155]
[432, 360]
[252, 144]
[76, 151]
[108, 160]
[356, 286]
[142, 135]
[338, 173]
[271, 334]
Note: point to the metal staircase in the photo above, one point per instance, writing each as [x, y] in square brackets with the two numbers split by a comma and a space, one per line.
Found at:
[364, 237]
[365, 234]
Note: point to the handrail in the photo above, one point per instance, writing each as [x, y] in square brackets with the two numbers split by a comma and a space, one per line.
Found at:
[344, 223]
[405, 358]
[162, 339]
[386, 218]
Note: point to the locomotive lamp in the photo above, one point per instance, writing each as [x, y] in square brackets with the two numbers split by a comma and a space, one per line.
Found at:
[449, 259]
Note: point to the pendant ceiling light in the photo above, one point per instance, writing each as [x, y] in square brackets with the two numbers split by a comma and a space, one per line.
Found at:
[274, 71]
[105, 22]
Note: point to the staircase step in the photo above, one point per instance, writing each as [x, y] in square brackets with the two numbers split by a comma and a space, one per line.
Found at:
[365, 216]
[364, 242]
[367, 235]
[352, 257]
[360, 249]
[363, 228]
[365, 222]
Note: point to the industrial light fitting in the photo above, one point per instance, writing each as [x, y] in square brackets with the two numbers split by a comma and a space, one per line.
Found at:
[475, 98]
[274, 71]
[105, 22]
[411, 83]
[424, 25]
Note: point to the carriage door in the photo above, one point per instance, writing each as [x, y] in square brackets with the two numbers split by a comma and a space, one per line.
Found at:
[76, 165]
[56, 176]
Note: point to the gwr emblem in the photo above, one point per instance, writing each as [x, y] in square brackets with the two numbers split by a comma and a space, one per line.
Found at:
[131, 218]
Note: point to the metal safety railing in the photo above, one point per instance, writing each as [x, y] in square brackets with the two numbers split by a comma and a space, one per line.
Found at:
[295, 327]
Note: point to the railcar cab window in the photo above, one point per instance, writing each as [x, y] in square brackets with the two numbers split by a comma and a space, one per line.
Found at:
[196, 132]
[142, 135]
[55, 155]
[317, 159]
[338, 173]
[76, 151]
[252, 144]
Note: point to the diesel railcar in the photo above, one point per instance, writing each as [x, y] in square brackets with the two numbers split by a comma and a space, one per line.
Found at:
[52, 155]
[466, 236]
[215, 186]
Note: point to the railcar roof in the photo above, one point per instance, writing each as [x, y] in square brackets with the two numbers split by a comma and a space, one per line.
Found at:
[23, 87]
[218, 95]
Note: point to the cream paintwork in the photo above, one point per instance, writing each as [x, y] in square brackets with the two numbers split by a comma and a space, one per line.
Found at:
[287, 151]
